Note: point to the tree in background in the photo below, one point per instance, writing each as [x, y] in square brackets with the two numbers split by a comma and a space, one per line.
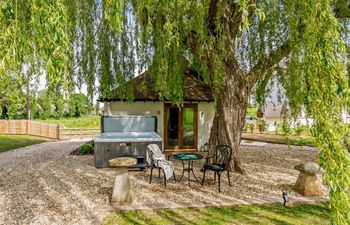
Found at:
[79, 104]
[98, 109]
[12, 101]
[46, 107]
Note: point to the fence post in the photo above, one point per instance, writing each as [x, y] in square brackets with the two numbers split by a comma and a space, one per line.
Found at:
[48, 130]
[58, 131]
[27, 127]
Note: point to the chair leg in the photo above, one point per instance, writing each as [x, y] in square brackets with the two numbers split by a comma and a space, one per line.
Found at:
[203, 176]
[219, 180]
[174, 176]
[214, 175]
[159, 172]
[164, 178]
[150, 179]
[228, 176]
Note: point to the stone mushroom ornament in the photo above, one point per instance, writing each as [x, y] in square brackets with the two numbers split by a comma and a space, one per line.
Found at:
[307, 183]
[122, 193]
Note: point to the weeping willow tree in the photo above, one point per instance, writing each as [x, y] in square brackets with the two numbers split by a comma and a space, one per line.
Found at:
[236, 46]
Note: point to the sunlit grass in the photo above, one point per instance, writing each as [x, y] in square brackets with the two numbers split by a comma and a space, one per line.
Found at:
[77, 122]
[246, 214]
[8, 142]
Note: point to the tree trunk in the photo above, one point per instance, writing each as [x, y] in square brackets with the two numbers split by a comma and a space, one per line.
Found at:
[229, 120]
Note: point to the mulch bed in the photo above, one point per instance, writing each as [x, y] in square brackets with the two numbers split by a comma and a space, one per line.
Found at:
[77, 152]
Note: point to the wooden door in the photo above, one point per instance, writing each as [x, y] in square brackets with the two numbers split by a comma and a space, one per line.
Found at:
[180, 127]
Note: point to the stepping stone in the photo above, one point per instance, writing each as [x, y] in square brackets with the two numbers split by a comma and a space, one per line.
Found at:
[307, 183]
[122, 194]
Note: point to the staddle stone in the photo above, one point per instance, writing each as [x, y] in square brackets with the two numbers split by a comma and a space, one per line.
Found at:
[307, 183]
[309, 167]
[122, 193]
[122, 162]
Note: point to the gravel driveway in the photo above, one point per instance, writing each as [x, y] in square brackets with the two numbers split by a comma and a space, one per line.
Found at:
[43, 184]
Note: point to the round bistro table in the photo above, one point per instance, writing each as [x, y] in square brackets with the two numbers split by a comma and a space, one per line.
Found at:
[189, 158]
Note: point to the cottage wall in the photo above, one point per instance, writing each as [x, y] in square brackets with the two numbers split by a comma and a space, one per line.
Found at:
[138, 109]
[206, 112]
[205, 115]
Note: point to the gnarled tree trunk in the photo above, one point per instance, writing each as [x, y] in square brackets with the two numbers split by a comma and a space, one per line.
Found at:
[229, 120]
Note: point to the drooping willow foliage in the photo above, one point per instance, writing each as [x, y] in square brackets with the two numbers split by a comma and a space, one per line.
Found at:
[104, 43]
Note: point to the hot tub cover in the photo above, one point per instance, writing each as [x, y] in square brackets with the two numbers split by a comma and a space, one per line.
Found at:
[128, 137]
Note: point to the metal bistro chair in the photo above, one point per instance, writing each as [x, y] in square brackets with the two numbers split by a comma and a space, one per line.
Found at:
[220, 163]
[155, 164]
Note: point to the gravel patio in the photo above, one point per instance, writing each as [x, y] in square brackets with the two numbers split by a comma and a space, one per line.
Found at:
[43, 184]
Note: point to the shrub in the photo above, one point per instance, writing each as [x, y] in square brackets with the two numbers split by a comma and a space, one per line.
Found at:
[262, 126]
[249, 126]
[277, 126]
[299, 128]
[286, 127]
[86, 148]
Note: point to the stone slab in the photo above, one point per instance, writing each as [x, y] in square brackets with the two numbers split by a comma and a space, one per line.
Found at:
[309, 167]
[122, 162]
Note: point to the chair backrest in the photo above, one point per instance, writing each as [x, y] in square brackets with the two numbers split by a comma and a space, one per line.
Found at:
[153, 151]
[223, 155]
[151, 157]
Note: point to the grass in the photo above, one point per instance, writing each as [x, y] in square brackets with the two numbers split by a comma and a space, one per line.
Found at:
[251, 111]
[77, 122]
[8, 142]
[301, 141]
[246, 214]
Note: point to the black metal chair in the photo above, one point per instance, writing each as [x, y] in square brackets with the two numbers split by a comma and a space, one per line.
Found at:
[220, 163]
[155, 164]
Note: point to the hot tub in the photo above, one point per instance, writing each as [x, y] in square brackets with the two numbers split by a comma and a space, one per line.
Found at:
[125, 136]
[128, 137]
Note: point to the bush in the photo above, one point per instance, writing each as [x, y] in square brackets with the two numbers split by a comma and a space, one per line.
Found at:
[277, 126]
[299, 128]
[286, 127]
[86, 148]
[262, 126]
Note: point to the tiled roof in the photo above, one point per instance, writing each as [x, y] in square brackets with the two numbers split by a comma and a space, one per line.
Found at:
[194, 89]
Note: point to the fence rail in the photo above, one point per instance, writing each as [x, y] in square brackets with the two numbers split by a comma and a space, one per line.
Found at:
[46, 130]
[34, 128]
[77, 133]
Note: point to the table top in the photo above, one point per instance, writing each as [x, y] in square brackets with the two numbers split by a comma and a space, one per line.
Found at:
[188, 156]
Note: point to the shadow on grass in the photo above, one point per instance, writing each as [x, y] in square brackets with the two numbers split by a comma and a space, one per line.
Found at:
[246, 214]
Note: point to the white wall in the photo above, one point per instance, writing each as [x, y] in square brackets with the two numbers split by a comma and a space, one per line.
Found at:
[206, 113]
[138, 109]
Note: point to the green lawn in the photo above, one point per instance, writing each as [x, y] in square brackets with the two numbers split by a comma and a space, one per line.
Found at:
[8, 142]
[252, 110]
[301, 141]
[77, 122]
[247, 214]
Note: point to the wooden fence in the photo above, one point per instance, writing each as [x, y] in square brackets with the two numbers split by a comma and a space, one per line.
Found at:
[28, 127]
[77, 133]
[46, 130]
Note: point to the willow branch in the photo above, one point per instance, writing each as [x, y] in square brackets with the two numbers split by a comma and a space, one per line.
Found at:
[267, 61]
